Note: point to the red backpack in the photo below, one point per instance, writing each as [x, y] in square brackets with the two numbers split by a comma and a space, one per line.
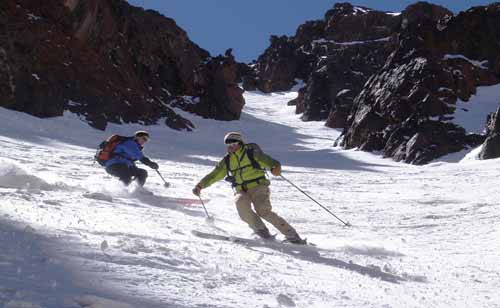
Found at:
[106, 148]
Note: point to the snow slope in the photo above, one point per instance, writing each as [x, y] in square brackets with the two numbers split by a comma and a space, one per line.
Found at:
[70, 236]
[486, 101]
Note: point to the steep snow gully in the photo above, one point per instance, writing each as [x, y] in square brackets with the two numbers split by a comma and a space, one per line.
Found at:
[70, 236]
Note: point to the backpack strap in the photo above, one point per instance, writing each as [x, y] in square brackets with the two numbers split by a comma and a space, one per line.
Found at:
[226, 161]
[250, 154]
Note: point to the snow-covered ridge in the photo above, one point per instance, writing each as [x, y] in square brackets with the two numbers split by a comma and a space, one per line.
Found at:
[472, 115]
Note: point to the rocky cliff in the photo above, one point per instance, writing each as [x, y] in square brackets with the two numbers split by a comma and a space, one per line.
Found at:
[390, 81]
[109, 62]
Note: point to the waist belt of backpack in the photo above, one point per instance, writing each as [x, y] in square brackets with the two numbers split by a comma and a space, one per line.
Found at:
[244, 185]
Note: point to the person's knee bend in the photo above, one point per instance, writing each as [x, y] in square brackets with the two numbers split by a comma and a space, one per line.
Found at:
[142, 173]
[263, 212]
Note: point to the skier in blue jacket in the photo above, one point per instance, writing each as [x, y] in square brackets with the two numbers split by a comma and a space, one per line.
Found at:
[122, 165]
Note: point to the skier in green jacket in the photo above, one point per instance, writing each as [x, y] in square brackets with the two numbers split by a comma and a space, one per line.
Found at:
[244, 165]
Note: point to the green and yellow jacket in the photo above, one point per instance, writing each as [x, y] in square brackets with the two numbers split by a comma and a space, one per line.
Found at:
[246, 176]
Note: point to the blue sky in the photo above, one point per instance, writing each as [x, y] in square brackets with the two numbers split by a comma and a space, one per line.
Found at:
[245, 25]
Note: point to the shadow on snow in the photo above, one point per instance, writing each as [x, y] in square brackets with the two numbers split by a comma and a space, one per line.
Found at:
[35, 268]
[307, 253]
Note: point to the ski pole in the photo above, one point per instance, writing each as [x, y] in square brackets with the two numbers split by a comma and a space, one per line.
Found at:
[206, 212]
[347, 224]
[166, 183]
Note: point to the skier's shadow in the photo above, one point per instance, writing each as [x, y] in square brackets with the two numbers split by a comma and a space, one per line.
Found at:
[311, 254]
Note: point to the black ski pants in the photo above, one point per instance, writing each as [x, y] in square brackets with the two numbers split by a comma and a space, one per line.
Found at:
[127, 174]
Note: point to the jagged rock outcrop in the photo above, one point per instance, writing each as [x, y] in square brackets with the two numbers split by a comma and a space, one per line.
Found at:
[392, 81]
[108, 62]
[220, 98]
[334, 55]
[405, 108]
[491, 146]
[279, 66]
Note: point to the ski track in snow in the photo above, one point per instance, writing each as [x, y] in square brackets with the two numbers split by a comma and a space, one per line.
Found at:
[70, 236]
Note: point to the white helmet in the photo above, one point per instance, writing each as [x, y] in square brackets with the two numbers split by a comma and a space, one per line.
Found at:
[233, 137]
[141, 133]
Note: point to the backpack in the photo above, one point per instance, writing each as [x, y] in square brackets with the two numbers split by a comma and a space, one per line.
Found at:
[106, 148]
[251, 149]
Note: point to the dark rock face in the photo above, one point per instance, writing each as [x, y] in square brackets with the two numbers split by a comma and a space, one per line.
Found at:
[347, 23]
[106, 61]
[221, 97]
[419, 82]
[342, 68]
[491, 146]
[392, 81]
[279, 66]
[340, 109]
[333, 55]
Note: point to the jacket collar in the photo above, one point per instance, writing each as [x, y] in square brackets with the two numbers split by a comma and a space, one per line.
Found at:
[140, 146]
[240, 152]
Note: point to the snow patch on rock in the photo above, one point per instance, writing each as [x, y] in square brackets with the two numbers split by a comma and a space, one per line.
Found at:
[472, 115]
[479, 64]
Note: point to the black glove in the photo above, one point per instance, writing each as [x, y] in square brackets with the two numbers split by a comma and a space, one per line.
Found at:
[154, 165]
[197, 190]
[149, 163]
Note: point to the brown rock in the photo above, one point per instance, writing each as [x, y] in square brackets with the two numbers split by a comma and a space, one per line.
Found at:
[419, 82]
[341, 109]
[347, 23]
[221, 97]
[280, 65]
[104, 60]
[491, 146]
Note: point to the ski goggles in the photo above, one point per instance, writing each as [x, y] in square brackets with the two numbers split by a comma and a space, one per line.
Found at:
[229, 142]
[232, 144]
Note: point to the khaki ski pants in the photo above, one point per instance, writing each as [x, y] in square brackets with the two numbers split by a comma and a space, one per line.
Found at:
[260, 197]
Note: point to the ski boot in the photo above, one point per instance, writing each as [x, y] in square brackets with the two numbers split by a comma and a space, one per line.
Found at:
[295, 240]
[264, 233]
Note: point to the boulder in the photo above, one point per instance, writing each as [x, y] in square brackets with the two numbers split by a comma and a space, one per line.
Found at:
[491, 146]
[340, 109]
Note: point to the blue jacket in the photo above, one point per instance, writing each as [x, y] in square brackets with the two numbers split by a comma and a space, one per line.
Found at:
[127, 153]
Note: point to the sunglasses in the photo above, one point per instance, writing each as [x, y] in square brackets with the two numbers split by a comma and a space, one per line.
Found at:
[146, 139]
[232, 144]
